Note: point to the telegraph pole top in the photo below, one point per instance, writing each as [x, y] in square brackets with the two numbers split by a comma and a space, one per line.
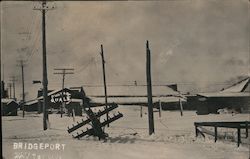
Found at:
[44, 6]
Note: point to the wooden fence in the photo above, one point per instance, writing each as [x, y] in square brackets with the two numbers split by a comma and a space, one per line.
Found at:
[234, 125]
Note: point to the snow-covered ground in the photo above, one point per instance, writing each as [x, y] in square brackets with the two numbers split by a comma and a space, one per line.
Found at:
[174, 137]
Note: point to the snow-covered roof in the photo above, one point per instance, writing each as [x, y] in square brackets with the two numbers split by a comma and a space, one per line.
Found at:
[76, 100]
[31, 102]
[238, 87]
[7, 100]
[126, 94]
[53, 92]
[135, 100]
[225, 94]
[129, 91]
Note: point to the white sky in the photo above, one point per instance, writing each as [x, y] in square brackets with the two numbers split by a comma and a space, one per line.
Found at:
[192, 41]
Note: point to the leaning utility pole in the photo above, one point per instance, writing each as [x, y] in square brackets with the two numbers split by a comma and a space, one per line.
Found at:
[63, 73]
[13, 80]
[23, 94]
[149, 90]
[104, 82]
[44, 8]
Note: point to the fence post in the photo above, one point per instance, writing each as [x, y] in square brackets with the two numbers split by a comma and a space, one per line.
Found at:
[239, 137]
[141, 112]
[160, 108]
[196, 130]
[181, 108]
[73, 114]
[246, 129]
[215, 133]
[39, 107]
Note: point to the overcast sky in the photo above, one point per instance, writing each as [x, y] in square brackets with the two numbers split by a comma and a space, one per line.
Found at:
[198, 42]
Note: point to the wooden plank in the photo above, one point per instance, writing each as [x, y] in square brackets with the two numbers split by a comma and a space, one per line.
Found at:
[225, 124]
[239, 137]
[196, 131]
[110, 120]
[181, 108]
[215, 133]
[206, 131]
[160, 108]
[246, 129]
[98, 114]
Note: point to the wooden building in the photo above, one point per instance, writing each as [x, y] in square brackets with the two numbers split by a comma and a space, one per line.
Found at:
[9, 107]
[235, 97]
[135, 95]
[69, 96]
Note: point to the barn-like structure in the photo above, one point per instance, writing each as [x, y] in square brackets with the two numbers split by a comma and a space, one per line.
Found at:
[9, 107]
[135, 95]
[235, 97]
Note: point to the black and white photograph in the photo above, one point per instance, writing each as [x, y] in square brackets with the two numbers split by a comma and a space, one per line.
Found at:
[125, 79]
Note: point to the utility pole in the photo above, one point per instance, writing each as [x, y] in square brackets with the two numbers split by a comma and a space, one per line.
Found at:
[104, 82]
[43, 9]
[149, 90]
[10, 87]
[63, 73]
[13, 81]
[160, 108]
[23, 94]
[3, 72]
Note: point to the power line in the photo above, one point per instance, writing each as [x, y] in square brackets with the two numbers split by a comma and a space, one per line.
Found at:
[36, 41]
[86, 65]
[32, 52]
[32, 42]
[64, 72]
[29, 26]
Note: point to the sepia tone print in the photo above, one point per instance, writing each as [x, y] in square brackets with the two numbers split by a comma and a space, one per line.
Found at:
[125, 79]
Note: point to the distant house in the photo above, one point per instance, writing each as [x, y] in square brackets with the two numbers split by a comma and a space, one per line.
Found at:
[76, 105]
[236, 97]
[192, 102]
[32, 105]
[123, 95]
[9, 107]
[70, 97]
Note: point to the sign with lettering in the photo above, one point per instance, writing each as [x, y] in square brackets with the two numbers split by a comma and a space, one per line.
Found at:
[61, 97]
